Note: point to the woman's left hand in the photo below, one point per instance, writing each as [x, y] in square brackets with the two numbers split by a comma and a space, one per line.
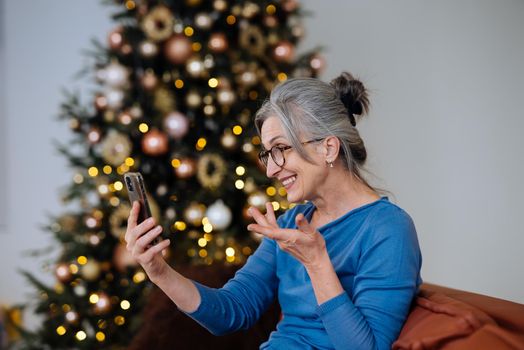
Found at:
[305, 243]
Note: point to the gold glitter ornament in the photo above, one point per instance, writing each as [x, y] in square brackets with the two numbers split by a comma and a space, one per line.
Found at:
[252, 39]
[211, 170]
[158, 23]
[163, 100]
[116, 147]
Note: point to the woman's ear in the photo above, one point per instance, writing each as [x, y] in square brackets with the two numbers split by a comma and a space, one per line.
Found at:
[331, 148]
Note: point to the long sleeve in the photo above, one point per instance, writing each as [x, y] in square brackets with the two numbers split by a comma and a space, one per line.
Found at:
[239, 304]
[385, 282]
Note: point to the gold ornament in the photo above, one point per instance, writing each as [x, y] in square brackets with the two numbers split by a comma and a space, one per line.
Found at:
[195, 213]
[158, 23]
[178, 49]
[155, 143]
[211, 179]
[163, 100]
[90, 270]
[228, 140]
[116, 147]
[252, 40]
[193, 99]
[118, 221]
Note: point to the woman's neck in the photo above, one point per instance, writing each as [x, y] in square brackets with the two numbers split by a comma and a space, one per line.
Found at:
[342, 193]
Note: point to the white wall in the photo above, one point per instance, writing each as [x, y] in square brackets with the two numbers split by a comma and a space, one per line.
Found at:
[443, 135]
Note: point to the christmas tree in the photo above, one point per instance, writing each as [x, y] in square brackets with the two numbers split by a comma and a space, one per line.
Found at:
[177, 86]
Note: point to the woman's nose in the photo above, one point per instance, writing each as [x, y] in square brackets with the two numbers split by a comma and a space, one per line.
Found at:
[272, 168]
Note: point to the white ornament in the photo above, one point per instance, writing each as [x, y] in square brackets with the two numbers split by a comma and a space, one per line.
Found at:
[219, 215]
[115, 98]
[116, 75]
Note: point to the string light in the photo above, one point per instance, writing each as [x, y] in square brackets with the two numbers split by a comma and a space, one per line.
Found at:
[213, 82]
[143, 128]
[237, 130]
[188, 31]
[100, 336]
[179, 84]
[208, 228]
[202, 253]
[82, 260]
[180, 225]
[202, 242]
[275, 205]
[81, 335]
[271, 191]
[139, 277]
[282, 76]
[61, 330]
[92, 171]
[201, 143]
[240, 170]
[78, 179]
[118, 185]
[271, 9]
[239, 184]
[107, 169]
[196, 47]
[114, 201]
[130, 4]
[93, 298]
[230, 251]
[125, 305]
[129, 161]
[73, 268]
[231, 19]
[120, 320]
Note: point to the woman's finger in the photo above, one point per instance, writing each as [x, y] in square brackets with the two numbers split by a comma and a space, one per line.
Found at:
[133, 215]
[133, 234]
[303, 225]
[271, 232]
[270, 214]
[258, 216]
[157, 248]
[145, 240]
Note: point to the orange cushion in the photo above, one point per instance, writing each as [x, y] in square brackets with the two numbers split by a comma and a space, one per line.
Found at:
[440, 322]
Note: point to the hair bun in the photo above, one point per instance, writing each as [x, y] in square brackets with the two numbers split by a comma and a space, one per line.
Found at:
[353, 95]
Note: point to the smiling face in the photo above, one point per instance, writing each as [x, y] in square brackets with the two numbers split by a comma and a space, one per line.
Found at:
[301, 178]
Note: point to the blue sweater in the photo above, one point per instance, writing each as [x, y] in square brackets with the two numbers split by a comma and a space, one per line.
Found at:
[375, 252]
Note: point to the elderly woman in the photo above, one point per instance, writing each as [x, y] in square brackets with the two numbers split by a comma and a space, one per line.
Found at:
[345, 265]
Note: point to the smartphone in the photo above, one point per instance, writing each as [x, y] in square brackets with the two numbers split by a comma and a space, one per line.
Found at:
[136, 190]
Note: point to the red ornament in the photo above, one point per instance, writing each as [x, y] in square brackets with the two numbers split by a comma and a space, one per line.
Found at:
[155, 143]
[178, 49]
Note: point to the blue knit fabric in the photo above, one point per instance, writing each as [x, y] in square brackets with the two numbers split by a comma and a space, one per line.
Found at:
[375, 252]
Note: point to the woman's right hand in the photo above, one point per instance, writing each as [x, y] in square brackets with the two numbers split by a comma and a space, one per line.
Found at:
[139, 238]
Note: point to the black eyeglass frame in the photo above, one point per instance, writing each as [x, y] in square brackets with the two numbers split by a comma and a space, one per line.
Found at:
[263, 156]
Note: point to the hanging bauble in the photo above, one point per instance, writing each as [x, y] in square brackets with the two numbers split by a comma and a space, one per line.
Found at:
[163, 100]
[115, 39]
[115, 75]
[158, 23]
[116, 147]
[270, 21]
[186, 168]
[219, 215]
[125, 118]
[290, 5]
[284, 52]
[217, 42]
[122, 258]
[155, 143]
[193, 99]
[203, 20]
[252, 40]
[100, 102]
[194, 213]
[226, 96]
[178, 49]
[115, 98]
[93, 135]
[118, 221]
[148, 49]
[250, 10]
[257, 199]
[228, 140]
[71, 317]
[317, 63]
[103, 304]
[63, 273]
[149, 80]
[90, 270]
[176, 125]
[211, 171]
[248, 78]
[220, 5]
[195, 67]
[136, 111]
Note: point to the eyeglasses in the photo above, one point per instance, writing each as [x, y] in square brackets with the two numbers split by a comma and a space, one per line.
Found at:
[277, 153]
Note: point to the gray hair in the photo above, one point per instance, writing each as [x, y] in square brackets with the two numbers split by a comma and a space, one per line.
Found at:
[311, 108]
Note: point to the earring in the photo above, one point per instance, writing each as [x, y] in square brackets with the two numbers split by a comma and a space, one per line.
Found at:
[329, 163]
